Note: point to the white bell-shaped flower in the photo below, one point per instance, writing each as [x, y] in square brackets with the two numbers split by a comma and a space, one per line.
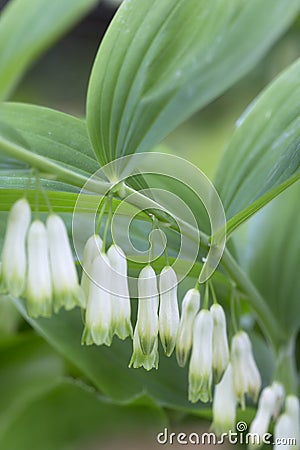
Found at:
[120, 298]
[200, 369]
[224, 404]
[91, 250]
[190, 307]
[220, 342]
[279, 393]
[246, 376]
[147, 318]
[13, 268]
[265, 410]
[98, 317]
[139, 359]
[66, 290]
[39, 283]
[287, 427]
[168, 309]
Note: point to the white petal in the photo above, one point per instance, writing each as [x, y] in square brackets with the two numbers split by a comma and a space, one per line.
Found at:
[224, 404]
[120, 299]
[98, 318]
[39, 285]
[220, 342]
[190, 307]
[66, 289]
[147, 319]
[139, 359]
[168, 310]
[263, 416]
[13, 269]
[246, 376]
[200, 369]
[92, 249]
[284, 431]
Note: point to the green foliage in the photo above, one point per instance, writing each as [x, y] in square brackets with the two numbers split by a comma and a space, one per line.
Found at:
[264, 150]
[159, 63]
[269, 251]
[51, 411]
[148, 77]
[29, 27]
[107, 367]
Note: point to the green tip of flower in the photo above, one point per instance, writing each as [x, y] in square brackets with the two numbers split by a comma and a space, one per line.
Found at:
[200, 389]
[147, 344]
[181, 356]
[219, 427]
[69, 299]
[168, 345]
[15, 286]
[149, 362]
[41, 308]
[123, 330]
[87, 338]
[218, 373]
[96, 335]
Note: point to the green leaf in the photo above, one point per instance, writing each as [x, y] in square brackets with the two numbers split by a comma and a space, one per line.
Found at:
[29, 27]
[70, 416]
[56, 144]
[264, 153]
[161, 61]
[268, 249]
[59, 137]
[36, 399]
[107, 367]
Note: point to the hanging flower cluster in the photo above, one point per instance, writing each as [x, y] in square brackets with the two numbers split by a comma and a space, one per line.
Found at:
[200, 333]
[37, 263]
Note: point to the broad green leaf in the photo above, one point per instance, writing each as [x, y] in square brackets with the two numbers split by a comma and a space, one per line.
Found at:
[29, 27]
[56, 144]
[36, 399]
[107, 367]
[71, 416]
[264, 153]
[268, 249]
[59, 137]
[28, 367]
[161, 61]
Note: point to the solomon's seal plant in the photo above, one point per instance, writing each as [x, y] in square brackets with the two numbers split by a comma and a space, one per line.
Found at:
[162, 290]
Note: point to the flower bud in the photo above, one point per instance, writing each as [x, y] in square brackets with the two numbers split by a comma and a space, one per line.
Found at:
[66, 290]
[224, 404]
[287, 427]
[168, 310]
[265, 410]
[147, 318]
[39, 283]
[98, 316]
[91, 250]
[13, 269]
[246, 377]
[220, 343]
[200, 369]
[139, 359]
[190, 307]
[120, 298]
